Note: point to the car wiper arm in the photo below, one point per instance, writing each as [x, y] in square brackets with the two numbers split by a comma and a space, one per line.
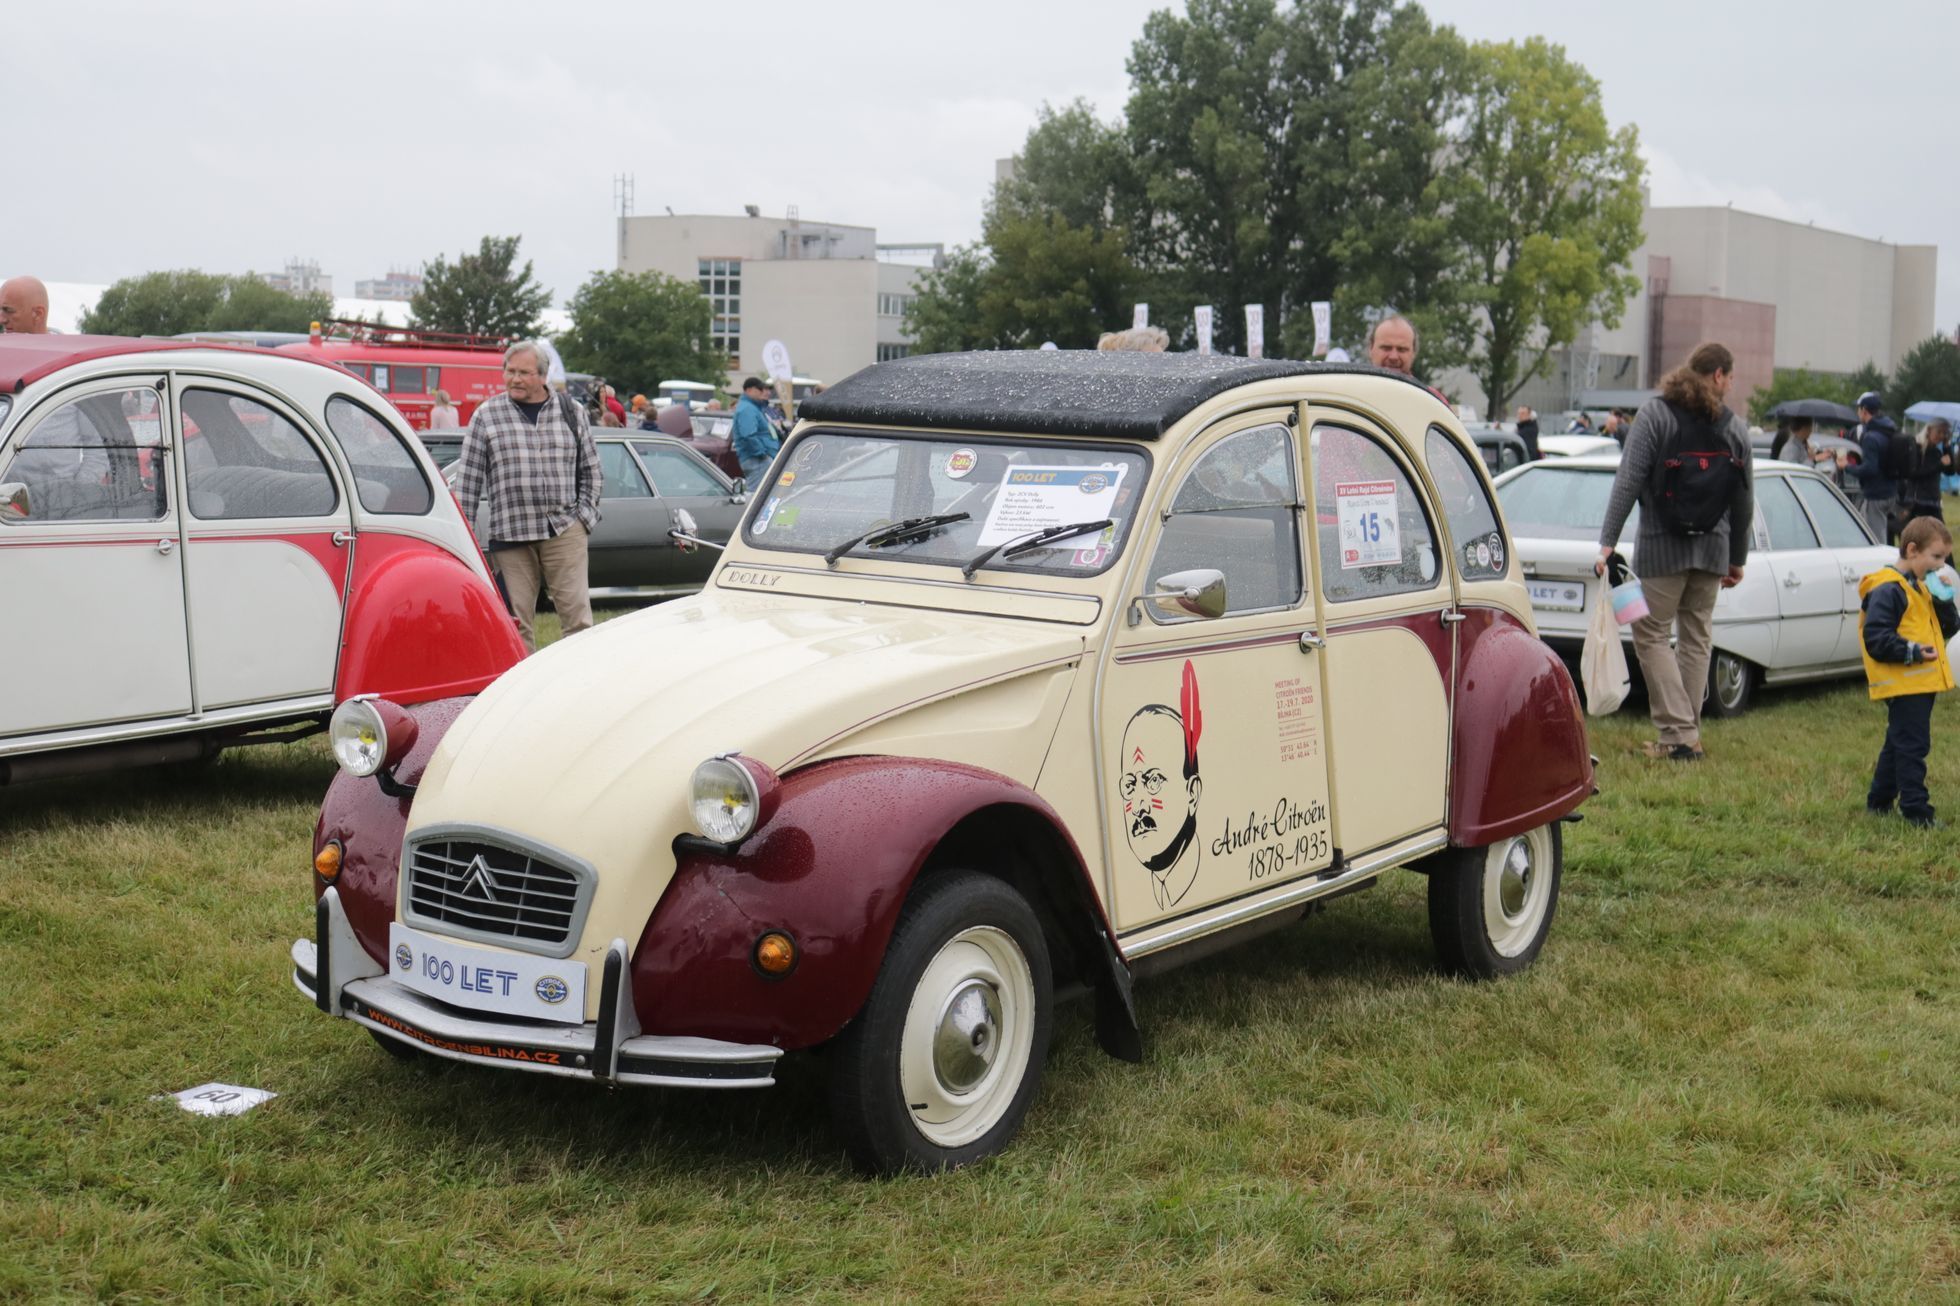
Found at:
[1032, 540]
[895, 533]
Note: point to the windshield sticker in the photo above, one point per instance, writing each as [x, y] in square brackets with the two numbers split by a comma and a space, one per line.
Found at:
[1034, 498]
[787, 517]
[960, 463]
[1097, 555]
[763, 517]
[1371, 524]
[786, 480]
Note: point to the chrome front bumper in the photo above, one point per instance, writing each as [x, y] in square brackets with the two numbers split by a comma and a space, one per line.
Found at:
[337, 975]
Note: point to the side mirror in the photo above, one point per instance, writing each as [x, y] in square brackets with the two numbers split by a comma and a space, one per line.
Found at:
[741, 485]
[15, 501]
[1199, 593]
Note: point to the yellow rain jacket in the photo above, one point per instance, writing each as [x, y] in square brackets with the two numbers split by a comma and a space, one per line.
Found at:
[1920, 624]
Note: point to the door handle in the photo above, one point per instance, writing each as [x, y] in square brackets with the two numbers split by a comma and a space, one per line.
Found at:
[1792, 581]
[341, 539]
[165, 546]
[1452, 617]
[1310, 641]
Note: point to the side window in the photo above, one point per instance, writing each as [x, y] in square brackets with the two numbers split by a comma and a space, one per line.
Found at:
[1472, 520]
[675, 475]
[1834, 521]
[410, 381]
[1236, 512]
[1779, 520]
[386, 477]
[1375, 538]
[96, 458]
[244, 460]
[620, 476]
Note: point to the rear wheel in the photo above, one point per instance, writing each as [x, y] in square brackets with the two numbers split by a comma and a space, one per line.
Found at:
[1731, 681]
[940, 1067]
[1490, 908]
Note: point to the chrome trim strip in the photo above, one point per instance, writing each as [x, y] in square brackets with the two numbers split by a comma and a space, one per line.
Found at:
[965, 587]
[1289, 895]
[584, 874]
[53, 741]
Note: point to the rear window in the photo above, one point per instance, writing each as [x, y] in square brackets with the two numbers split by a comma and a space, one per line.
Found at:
[1559, 504]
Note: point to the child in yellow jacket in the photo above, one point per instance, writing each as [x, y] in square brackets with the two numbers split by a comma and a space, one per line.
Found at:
[1906, 616]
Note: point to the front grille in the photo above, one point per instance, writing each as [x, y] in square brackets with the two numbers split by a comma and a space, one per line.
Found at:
[518, 897]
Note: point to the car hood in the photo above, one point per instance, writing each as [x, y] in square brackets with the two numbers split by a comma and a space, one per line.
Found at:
[587, 747]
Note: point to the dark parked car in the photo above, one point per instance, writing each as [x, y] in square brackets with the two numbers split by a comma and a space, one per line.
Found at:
[1500, 449]
[648, 480]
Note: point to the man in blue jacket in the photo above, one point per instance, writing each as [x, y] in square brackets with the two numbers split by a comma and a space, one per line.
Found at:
[1879, 491]
[754, 441]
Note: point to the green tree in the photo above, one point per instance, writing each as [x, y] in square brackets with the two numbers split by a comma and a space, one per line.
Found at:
[172, 303]
[1930, 370]
[639, 328]
[481, 293]
[1788, 383]
[944, 315]
[1545, 205]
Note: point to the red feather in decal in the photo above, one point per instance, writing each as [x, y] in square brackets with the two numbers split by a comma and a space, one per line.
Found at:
[1194, 721]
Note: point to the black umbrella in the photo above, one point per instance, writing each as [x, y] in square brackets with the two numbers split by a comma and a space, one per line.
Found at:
[1817, 410]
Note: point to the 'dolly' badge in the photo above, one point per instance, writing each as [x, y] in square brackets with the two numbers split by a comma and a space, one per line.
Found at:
[404, 956]
[551, 989]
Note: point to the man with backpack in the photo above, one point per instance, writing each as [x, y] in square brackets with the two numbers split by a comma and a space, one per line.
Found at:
[1687, 465]
[1885, 459]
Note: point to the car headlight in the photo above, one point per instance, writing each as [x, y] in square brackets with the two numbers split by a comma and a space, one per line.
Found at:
[369, 733]
[731, 795]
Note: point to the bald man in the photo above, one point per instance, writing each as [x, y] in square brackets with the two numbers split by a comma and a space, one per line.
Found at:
[24, 306]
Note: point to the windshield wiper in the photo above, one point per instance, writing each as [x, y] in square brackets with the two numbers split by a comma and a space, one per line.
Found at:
[895, 533]
[1032, 540]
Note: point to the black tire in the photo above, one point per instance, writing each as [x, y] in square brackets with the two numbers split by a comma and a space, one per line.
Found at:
[968, 948]
[1490, 908]
[1731, 683]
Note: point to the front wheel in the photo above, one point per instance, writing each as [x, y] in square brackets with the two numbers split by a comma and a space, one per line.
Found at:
[1490, 908]
[1731, 680]
[940, 1067]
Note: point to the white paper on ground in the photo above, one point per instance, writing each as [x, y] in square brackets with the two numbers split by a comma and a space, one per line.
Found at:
[218, 1099]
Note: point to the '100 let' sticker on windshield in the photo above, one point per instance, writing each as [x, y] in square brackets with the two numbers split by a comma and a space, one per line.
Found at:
[1035, 498]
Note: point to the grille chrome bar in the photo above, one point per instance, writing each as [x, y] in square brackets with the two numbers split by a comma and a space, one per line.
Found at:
[478, 882]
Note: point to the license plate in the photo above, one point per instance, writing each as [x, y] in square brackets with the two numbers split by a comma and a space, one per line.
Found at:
[541, 988]
[1556, 595]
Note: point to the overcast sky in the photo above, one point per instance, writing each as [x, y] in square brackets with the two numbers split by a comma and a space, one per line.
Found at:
[230, 136]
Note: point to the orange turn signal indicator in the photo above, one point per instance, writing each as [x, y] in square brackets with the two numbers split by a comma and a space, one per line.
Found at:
[775, 954]
[326, 862]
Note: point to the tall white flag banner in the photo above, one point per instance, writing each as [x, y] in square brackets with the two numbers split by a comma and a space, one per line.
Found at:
[1255, 330]
[1140, 317]
[1323, 326]
[1203, 315]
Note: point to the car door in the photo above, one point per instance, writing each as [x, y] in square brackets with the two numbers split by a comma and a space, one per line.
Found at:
[1384, 597]
[91, 562]
[1212, 731]
[1805, 576]
[268, 534]
[628, 547]
[1844, 535]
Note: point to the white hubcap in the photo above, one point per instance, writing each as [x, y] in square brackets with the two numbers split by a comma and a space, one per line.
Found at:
[1517, 890]
[968, 1033]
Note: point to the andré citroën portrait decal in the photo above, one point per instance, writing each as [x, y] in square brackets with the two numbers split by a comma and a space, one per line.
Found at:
[1159, 788]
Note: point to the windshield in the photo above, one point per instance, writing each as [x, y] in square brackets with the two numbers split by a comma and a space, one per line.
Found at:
[830, 487]
[1553, 503]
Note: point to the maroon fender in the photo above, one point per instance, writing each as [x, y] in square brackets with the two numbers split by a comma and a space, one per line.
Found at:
[420, 624]
[369, 825]
[1519, 756]
[831, 868]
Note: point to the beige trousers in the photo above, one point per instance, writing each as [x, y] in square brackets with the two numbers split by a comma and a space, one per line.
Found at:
[559, 564]
[1677, 676]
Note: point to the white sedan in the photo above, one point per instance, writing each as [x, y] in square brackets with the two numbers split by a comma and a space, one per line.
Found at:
[1794, 617]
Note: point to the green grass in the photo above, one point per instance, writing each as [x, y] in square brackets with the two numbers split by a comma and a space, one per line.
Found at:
[1731, 1077]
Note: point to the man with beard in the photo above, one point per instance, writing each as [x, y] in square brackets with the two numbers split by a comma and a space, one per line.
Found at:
[1160, 777]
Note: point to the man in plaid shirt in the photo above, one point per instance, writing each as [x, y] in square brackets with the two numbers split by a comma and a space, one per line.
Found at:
[531, 452]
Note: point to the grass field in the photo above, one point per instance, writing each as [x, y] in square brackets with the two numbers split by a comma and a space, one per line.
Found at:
[1731, 1077]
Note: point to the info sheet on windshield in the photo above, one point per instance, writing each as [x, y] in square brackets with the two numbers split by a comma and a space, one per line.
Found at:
[1035, 498]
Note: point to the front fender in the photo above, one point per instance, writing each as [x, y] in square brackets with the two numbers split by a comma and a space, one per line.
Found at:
[370, 825]
[832, 868]
[420, 624]
[1519, 758]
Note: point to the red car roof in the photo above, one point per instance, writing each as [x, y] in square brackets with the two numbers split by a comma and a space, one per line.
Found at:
[25, 359]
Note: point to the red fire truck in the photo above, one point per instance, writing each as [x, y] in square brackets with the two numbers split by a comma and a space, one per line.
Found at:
[408, 365]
